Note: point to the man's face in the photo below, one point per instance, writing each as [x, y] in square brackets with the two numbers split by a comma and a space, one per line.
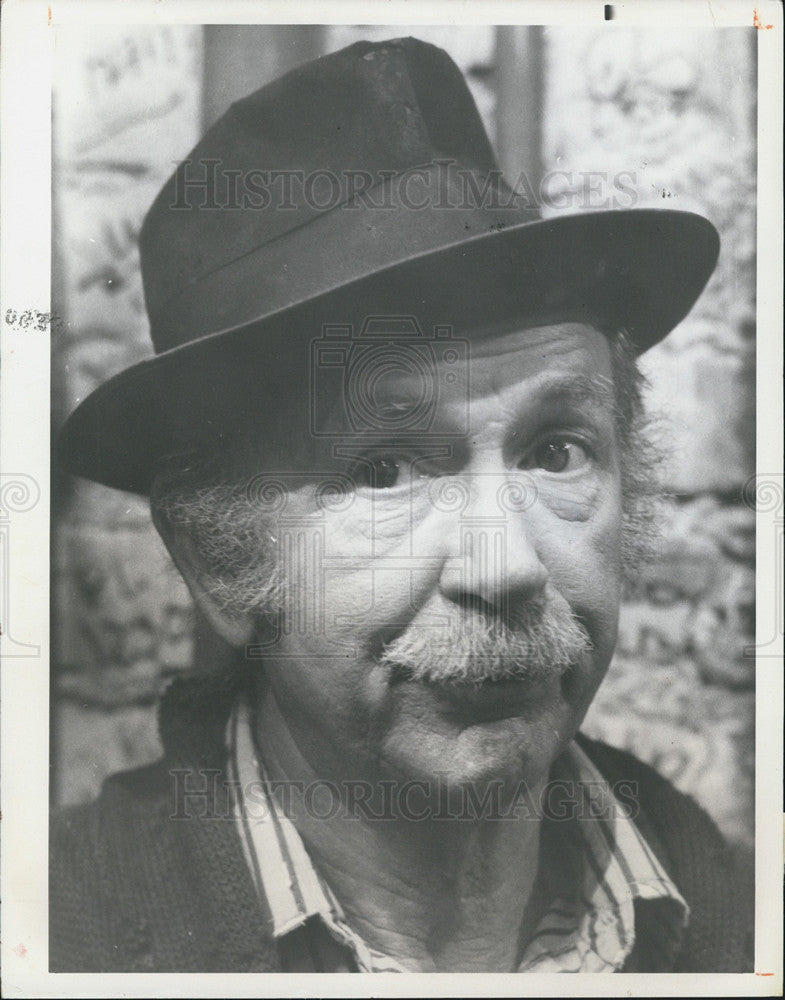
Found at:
[503, 521]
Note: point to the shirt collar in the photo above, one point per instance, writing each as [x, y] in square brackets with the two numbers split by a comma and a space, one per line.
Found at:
[590, 928]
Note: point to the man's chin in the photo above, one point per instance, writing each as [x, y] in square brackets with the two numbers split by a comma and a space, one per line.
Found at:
[503, 731]
[493, 759]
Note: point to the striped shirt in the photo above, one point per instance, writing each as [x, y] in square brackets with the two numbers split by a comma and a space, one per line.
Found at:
[604, 876]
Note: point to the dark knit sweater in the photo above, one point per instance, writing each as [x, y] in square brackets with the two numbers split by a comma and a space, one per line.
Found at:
[147, 878]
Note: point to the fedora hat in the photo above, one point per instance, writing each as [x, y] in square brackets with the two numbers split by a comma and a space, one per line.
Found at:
[360, 184]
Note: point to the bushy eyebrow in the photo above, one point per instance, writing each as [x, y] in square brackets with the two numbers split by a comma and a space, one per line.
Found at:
[554, 399]
[576, 389]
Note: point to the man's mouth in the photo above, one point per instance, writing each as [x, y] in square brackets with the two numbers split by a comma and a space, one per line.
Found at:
[486, 700]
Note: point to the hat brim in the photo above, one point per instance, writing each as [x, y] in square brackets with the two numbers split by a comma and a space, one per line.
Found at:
[640, 270]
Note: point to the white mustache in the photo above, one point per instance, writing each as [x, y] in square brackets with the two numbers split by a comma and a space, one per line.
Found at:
[543, 643]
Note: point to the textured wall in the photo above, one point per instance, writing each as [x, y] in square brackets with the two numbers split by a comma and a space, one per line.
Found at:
[666, 119]
[127, 105]
[663, 120]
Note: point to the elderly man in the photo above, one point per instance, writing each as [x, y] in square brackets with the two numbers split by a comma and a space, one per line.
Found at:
[393, 439]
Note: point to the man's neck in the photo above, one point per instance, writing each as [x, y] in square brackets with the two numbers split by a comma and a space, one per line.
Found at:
[437, 894]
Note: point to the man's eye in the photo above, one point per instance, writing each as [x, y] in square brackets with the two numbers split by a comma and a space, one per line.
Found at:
[380, 472]
[557, 455]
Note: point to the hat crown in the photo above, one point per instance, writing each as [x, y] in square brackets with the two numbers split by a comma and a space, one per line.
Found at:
[339, 124]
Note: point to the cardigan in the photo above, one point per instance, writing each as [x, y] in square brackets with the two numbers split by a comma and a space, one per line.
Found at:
[151, 875]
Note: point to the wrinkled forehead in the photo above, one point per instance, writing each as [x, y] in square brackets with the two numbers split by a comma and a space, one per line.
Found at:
[402, 383]
[428, 388]
[542, 353]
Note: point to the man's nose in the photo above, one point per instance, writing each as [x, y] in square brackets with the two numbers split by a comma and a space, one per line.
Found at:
[492, 563]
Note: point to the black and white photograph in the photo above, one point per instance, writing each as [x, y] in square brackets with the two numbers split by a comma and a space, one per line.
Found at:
[408, 502]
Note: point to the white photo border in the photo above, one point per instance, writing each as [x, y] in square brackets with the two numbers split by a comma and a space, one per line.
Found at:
[25, 255]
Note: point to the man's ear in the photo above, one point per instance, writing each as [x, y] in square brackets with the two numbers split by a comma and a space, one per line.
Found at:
[237, 630]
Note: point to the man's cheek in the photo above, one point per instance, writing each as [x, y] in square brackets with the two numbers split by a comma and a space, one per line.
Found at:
[365, 531]
[578, 501]
[600, 540]
[585, 569]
